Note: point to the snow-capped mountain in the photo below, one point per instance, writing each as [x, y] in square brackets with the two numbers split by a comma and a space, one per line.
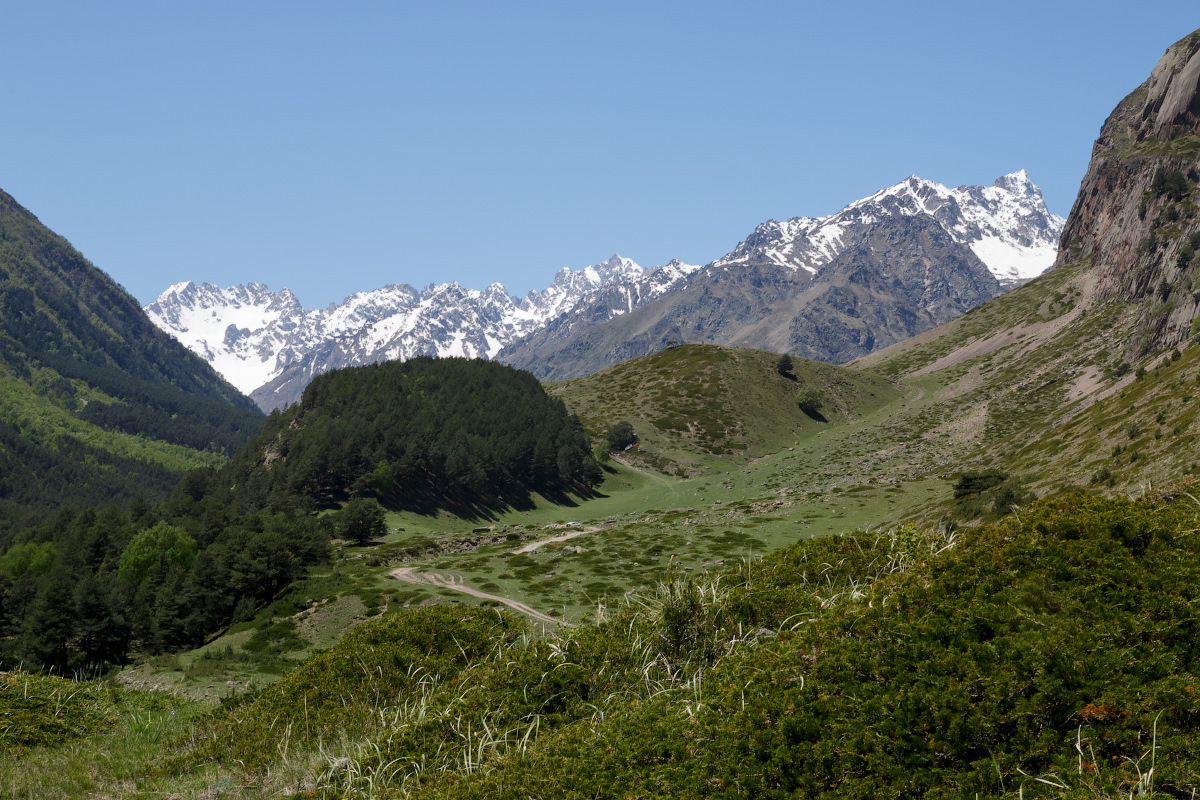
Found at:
[1007, 225]
[269, 346]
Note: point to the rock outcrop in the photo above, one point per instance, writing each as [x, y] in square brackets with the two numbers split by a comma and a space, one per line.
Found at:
[1136, 218]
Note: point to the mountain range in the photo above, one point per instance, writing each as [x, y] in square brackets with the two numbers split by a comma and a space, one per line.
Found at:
[831, 288]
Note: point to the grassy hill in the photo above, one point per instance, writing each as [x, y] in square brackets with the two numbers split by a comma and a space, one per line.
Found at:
[1036, 382]
[697, 407]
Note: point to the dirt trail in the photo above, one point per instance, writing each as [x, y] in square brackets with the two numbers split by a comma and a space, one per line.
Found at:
[455, 582]
[529, 548]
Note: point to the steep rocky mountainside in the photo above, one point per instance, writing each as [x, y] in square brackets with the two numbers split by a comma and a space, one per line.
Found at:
[1088, 373]
[832, 289]
[1136, 217]
[1007, 225]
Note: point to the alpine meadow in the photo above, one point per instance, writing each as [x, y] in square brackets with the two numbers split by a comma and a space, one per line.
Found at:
[638, 536]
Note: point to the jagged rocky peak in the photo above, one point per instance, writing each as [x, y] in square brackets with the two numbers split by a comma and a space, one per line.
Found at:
[1018, 184]
[616, 267]
[1006, 224]
[256, 337]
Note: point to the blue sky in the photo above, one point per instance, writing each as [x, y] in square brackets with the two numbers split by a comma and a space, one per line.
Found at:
[335, 148]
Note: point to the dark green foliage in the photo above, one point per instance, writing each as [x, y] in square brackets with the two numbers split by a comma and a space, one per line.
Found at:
[785, 366]
[1007, 495]
[33, 558]
[1103, 477]
[971, 483]
[362, 520]
[422, 434]
[87, 588]
[1172, 183]
[620, 436]
[38, 710]
[989, 495]
[340, 691]
[972, 674]
[688, 627]
[810, 403]
[163, 542]
[1186, 253]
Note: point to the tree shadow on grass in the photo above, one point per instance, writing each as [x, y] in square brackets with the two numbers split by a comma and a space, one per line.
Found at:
[476, 509]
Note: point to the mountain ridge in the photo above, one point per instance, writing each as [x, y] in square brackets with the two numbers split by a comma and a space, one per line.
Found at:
[832, 289]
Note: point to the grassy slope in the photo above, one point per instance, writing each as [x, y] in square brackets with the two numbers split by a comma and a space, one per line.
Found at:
[41, 418]
[98, 404]
[1049, 655]
[1025, 383]
[1021, 383]
[1031, 382]
[784, 476]
[695, 406]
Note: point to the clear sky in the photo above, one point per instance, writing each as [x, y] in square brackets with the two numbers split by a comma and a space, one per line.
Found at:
[337, 147]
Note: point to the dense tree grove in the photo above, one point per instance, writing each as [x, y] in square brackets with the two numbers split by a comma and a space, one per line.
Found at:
[422, 434]
[84, 588]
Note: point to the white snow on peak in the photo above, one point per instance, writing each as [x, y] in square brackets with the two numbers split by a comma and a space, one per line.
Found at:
[252, 335]
[1007, 225]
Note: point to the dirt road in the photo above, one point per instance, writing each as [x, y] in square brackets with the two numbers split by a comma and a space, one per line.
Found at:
[529, 548]
[455, 582]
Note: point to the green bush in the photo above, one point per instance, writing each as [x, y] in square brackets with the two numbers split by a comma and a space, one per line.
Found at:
[361, 520]
[810, 403]
[620, 436]
[970, 483]
[341, 692]
[1061, 646]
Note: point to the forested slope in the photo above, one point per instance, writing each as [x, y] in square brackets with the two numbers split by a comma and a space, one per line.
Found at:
[99, 404]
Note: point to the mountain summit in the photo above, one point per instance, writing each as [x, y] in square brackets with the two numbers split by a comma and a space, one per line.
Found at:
[906, 259]
[1007, 225]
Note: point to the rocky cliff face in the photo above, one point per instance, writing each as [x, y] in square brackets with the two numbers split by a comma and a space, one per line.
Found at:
[1136, 218]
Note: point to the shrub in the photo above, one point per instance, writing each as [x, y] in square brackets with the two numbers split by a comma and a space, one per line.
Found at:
[975, 482]
[620, 436]
[362, 520]
[810, 403]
